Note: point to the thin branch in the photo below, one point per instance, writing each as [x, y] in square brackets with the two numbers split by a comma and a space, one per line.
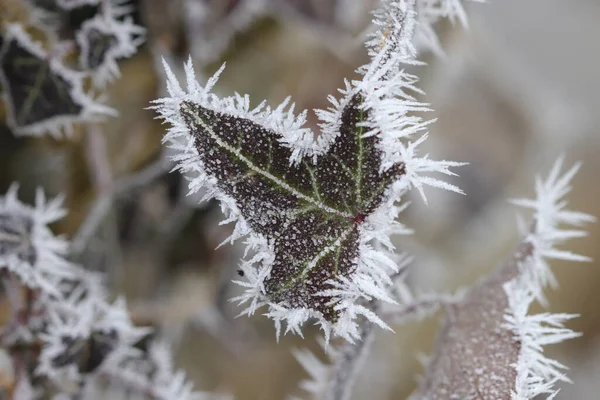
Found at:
[348, 362]
[420, 307]
[103, 204]
[97, 157]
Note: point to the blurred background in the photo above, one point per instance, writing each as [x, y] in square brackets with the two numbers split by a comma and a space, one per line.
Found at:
[514, 91]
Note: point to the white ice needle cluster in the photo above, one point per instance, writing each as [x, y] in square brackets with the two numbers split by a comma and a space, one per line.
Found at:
[85, 339]
[30, 110]
[103, 40]
[388, 92]
[28, 248]
[536, 373]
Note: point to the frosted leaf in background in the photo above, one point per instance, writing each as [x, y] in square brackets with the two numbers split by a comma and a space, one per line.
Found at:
[27, 246]
[536, 373]
[42, 96]
[103, 41]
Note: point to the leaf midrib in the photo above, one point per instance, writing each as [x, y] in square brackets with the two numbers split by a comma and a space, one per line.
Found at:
[307, 266]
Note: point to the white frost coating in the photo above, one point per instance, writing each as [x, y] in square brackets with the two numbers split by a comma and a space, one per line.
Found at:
[384, 89]
[128, 37]
[91, 110]
[50, 261]
[71, 303]
[536, 373]
[92, 316]
[125, 368]
[320, 372]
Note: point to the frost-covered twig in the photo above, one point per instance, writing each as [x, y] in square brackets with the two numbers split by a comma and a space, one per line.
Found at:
[489, 346]
[349, 359]
[211, 26]
[104, 201]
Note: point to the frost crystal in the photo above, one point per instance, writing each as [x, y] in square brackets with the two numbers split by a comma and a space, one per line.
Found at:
[97, 335]
[103, 40]
[536, 373]
[27, 246]
[314, 208]
[40, 93]
[431, 12]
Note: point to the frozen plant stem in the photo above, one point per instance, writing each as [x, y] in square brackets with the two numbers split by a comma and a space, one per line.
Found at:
[472, 347]
[489, 346]
[104, 201]
[419, 307]
[349, 359]
[98, 160]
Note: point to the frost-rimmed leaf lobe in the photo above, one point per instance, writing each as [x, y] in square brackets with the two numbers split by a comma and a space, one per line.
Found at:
[310, 211]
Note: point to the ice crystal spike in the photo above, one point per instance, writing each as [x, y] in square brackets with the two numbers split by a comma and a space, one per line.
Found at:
[41, 94]
[27, 246]
[311, 213]
[16, 237]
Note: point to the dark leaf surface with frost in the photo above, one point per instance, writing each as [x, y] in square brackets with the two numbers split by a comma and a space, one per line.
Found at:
[36, 91]
[41, 94]
[310, 212]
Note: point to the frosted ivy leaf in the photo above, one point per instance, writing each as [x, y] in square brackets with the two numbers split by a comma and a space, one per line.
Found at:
[41, 94]
[98, 44]
[314, 208]
[103, 41]
[312, 213]
[27, 246]
[86, 339]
